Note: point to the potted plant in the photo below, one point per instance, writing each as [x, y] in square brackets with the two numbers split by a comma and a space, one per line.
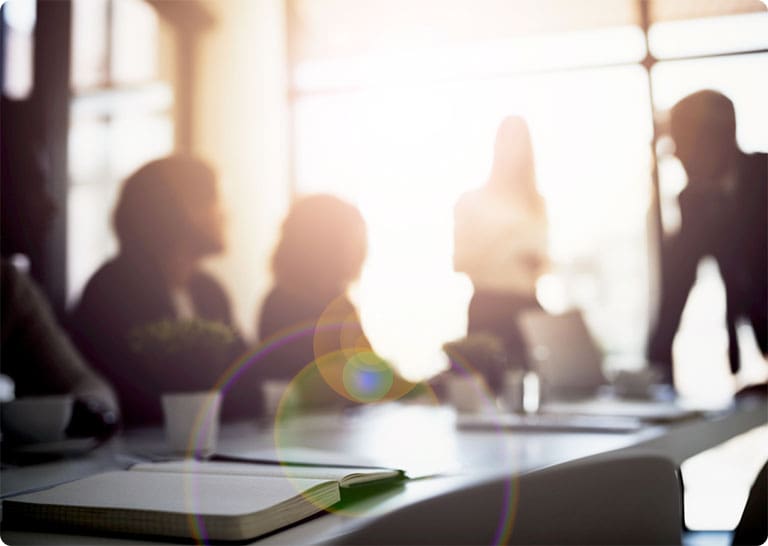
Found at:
[184, 355]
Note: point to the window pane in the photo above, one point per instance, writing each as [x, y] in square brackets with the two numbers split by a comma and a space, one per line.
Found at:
[482, 59]
[136, 140]
[19, 21]
[709, 36]
[405, 153]
[340, 28]
[90, 240]
[135, 35]
[87, 150]
[102, 154]
[89, 43]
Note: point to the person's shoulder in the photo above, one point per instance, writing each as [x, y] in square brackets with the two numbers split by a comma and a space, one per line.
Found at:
[755, 164]
[757, 156]
[204, 282]
[109, 274]
[753, 177]
[109, 281]
[274, 298]
[284, 308]
[208, 292]
[471, 201]
[472, 196]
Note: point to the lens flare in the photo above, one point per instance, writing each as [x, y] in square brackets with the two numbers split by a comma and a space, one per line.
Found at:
[345, 374]
[367, 378]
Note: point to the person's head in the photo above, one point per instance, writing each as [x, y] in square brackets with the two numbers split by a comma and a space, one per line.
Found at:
[513, 167]
[27, 209]
[703, 127]
[322, 246]
[170, 207]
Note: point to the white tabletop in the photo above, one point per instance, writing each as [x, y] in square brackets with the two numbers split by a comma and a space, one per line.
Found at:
[416, 438]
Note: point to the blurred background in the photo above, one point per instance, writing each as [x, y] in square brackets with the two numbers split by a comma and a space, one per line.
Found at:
[393, 105]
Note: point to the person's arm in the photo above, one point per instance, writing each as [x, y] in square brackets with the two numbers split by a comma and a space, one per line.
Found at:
[51, 364]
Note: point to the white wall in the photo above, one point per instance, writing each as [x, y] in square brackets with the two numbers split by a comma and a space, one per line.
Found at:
[240, 128]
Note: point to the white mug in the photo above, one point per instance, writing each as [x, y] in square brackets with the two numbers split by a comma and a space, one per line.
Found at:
[37, 419]
[192, 421]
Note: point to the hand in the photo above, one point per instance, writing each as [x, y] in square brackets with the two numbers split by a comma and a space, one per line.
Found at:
[91, 418]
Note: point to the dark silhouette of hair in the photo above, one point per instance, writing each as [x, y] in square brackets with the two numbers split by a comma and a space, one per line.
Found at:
[513, 165]
[703, 126]
[322, 246]
[705, 110]
[153, 212]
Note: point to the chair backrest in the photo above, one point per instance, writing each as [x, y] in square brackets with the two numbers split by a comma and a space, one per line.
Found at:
[608, 499]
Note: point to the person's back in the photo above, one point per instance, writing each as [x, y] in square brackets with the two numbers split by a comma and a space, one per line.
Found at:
[121, 297]
[290, 320]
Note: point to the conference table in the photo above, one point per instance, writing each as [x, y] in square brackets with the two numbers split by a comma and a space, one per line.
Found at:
[423, 439]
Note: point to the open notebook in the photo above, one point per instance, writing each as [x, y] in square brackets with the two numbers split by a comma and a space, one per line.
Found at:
[190, 499]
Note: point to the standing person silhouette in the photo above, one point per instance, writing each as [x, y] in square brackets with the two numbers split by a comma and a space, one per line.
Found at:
[724, 214]
[500, 240]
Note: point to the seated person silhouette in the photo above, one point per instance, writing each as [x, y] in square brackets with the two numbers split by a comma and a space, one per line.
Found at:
[321, 346]
[724, 214]
[500, 241]
[167, 220]
[37, 355]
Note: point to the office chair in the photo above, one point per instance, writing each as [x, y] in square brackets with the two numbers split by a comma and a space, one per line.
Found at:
[606, 499]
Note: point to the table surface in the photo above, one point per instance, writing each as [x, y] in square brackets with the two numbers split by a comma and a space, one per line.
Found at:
[418, 438]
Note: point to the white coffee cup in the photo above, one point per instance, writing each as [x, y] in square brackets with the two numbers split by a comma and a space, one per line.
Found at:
[37, 418]
[192, 421]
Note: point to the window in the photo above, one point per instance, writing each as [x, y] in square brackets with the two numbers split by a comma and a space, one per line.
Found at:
[397, 113]
[120, 118]
[403, 133]
[18, 20]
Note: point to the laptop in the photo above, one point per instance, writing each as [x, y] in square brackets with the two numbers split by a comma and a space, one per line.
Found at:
[569, 365]
[563, 353]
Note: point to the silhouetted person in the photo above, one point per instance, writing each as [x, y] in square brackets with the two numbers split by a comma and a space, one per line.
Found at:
[500, 240]
[36, 352]
[321, 251]
[724, 212]
[167, 220]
